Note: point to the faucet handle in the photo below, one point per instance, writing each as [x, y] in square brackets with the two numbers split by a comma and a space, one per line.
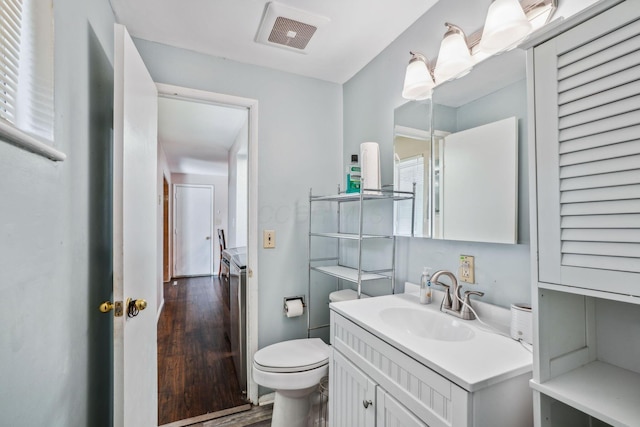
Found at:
[446, 301]
[467, 293]
[467, 314]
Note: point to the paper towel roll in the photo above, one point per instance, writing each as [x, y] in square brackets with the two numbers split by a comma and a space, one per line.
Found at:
[370, 166]
[294, 307]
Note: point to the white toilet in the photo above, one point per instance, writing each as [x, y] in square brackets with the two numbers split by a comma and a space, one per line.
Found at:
[293, 369]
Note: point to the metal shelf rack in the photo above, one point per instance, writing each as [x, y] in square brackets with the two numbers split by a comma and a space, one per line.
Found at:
[354, 274]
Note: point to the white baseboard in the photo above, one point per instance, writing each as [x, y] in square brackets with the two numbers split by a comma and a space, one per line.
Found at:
[267, 399]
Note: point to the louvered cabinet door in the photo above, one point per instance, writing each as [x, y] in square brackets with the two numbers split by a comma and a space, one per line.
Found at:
[587, 109]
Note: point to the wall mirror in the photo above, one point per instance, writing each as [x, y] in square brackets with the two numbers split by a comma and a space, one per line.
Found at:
[412, 167]
[476, 124]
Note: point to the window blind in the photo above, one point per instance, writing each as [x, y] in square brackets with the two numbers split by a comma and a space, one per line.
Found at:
[10, 32]
[26, 75]
[599, 134]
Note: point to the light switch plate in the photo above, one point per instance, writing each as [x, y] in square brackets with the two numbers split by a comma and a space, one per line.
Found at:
[466, 269]
[269, 239]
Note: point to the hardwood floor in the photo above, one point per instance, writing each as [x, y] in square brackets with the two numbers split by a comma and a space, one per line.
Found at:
[196, 375]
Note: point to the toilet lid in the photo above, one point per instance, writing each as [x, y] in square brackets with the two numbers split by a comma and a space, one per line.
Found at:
[293, 356]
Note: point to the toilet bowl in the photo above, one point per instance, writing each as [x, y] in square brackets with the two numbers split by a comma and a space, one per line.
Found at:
[293, 369]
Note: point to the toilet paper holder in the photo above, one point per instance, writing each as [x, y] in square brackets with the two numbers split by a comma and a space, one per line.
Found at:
[286, 299]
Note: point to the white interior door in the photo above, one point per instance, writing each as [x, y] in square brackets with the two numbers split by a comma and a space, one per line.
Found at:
[135, 274]
[193, 222]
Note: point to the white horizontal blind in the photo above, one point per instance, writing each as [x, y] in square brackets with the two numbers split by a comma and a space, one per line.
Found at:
[26, 76]
[599, 154]
[10, 32]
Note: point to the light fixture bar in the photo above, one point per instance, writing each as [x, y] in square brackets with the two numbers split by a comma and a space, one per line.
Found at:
[532, 10]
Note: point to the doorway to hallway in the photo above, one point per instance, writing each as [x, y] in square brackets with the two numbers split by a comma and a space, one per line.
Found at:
[181, 113]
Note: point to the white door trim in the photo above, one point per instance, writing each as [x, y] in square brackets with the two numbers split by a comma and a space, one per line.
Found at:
[177, 92]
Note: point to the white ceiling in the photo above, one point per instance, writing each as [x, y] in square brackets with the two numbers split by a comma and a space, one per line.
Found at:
[357, 32]
[196, 137]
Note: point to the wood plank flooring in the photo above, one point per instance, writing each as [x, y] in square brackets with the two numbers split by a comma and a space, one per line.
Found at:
[196, 375]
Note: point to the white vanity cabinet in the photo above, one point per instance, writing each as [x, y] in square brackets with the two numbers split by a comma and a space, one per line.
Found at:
[373, 383]
[358, 401]
[585, 217]
[366, 369]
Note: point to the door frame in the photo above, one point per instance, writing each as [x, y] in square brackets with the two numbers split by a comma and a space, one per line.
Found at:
[167, 241]
[188, 94]
[211, 226]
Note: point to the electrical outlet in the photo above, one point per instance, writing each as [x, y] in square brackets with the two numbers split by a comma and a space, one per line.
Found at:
[269, 239]
[466, 269]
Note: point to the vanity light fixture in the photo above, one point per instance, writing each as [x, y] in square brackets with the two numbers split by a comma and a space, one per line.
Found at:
[505, 26]
[504, 29]
[454, 57]
[418, 80]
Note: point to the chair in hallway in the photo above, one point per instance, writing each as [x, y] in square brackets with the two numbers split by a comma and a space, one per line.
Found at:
[223, 246]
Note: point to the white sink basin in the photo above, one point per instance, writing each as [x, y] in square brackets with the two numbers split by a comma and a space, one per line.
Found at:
[426, 324]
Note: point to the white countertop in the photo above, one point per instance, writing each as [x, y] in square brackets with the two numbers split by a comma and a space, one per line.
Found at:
[486, 359]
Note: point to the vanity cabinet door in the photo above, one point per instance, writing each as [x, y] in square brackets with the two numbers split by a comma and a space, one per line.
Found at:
[352, 400]
[587, 97]
[390, 413]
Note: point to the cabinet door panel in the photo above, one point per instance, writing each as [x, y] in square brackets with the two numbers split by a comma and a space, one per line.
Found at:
[390, 413]
[588, 151]
[353, 400]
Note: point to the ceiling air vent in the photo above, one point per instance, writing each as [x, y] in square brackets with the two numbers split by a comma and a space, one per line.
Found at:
[287, 27]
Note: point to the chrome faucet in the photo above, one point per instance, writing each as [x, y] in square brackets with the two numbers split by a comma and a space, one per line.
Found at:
[451, 303]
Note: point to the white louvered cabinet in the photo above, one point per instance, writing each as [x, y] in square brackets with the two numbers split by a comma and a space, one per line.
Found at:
[587, 109]
[585, 222]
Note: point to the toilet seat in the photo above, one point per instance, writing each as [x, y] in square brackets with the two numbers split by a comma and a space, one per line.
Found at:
[292, 356]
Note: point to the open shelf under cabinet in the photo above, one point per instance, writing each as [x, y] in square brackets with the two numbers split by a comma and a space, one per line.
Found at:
[604, 391]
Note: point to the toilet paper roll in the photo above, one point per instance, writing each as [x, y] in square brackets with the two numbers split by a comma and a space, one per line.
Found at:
[294, 307]
[370, 166]
[521, 322]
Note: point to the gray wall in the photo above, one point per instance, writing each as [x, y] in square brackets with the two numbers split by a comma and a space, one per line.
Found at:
[370, 97]
[55, 232]
[300, 141]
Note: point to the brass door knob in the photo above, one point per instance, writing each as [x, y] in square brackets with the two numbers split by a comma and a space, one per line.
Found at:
[135, 306]
[106, 306]
[140, 304]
